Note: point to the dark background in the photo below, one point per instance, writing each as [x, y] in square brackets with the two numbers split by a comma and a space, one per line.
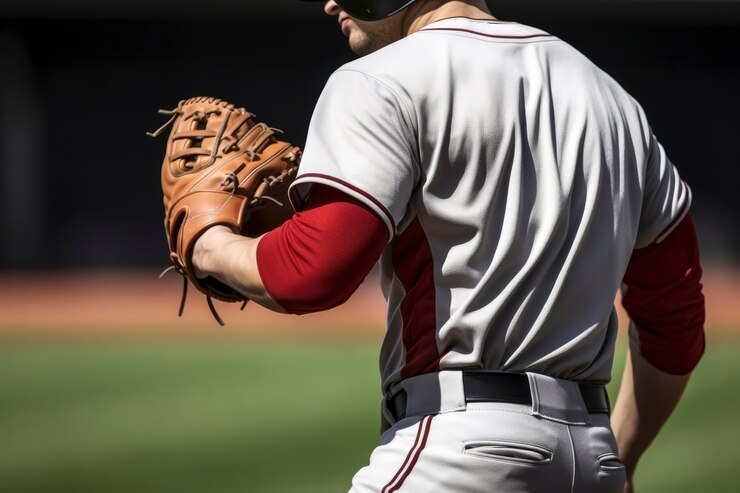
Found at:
[80, 83]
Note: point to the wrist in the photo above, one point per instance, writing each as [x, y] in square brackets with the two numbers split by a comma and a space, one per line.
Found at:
[204, 248]
[628, 452]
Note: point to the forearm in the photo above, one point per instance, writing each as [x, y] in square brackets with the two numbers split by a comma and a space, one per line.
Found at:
[663, 298]
[232, 259]
[312, 262]
[647, 397]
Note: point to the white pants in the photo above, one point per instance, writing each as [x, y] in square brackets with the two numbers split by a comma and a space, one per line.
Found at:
[495, 447]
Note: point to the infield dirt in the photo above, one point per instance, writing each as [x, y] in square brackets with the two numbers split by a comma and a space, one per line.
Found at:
[138, 304]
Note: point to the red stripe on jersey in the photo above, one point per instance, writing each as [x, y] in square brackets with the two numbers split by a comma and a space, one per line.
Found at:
[414, 267]
[665, 302]
[422, 435]
[318, 258]
[487, 21]
[527, 36]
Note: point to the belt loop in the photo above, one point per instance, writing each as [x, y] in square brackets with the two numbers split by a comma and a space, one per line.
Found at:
[557, 400]
[438, 392]
[453, 396]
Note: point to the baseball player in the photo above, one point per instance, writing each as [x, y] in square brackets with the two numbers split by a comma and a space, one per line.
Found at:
[508, 187]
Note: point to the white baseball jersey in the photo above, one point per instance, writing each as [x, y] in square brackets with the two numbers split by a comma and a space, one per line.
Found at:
[515, 179]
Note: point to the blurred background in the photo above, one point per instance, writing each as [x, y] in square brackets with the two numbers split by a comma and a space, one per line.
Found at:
[103, 388]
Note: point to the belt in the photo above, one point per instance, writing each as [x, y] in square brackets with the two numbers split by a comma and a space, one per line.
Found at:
[488, 386]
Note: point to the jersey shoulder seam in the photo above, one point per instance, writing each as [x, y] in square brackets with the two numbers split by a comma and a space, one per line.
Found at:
[395, 93]
[403, 105]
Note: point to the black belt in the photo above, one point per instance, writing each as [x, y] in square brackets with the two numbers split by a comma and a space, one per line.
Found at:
[487, 386]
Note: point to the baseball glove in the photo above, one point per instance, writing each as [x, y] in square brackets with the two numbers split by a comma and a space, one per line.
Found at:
[221, 167]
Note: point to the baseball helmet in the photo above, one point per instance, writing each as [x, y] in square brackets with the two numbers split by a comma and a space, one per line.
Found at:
[371, 10]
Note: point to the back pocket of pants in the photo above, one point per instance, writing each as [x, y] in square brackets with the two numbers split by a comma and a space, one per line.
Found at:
[610, 463]
[611, 475]
[521, 453]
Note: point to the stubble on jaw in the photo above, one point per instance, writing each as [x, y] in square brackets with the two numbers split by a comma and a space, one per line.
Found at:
[367, 37]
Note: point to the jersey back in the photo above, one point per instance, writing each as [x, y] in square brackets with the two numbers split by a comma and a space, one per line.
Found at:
[515, 177]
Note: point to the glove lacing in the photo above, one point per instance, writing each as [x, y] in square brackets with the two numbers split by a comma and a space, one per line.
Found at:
[230, 133]
[181, 272]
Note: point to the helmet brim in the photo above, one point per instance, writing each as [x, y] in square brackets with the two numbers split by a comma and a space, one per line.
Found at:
[371, 10]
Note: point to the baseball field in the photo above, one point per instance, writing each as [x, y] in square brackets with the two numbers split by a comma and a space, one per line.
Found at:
[103, 389]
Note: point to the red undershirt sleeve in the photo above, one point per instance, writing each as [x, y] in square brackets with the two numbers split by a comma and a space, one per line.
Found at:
[317, 259]
[663, 297]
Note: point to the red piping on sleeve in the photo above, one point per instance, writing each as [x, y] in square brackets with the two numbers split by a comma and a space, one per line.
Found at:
[665, 302]
[357, 190]
[317, 259]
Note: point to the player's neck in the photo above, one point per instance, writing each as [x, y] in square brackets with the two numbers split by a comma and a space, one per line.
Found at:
[421, 14]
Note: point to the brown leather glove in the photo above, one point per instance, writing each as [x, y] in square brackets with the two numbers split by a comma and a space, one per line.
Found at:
[221, 167]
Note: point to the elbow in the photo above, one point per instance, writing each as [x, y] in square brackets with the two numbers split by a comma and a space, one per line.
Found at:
[312, 292]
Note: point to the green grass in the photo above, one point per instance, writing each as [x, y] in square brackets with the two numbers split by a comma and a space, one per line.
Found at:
[696, 450]
[263, 416]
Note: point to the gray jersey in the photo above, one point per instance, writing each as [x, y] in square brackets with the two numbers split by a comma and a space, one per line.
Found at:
[515, 179]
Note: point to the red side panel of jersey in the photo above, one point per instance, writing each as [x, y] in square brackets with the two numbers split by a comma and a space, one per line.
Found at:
[665, 302]
[412, 262]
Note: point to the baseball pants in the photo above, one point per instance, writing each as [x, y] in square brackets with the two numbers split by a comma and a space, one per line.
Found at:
[444, 445]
